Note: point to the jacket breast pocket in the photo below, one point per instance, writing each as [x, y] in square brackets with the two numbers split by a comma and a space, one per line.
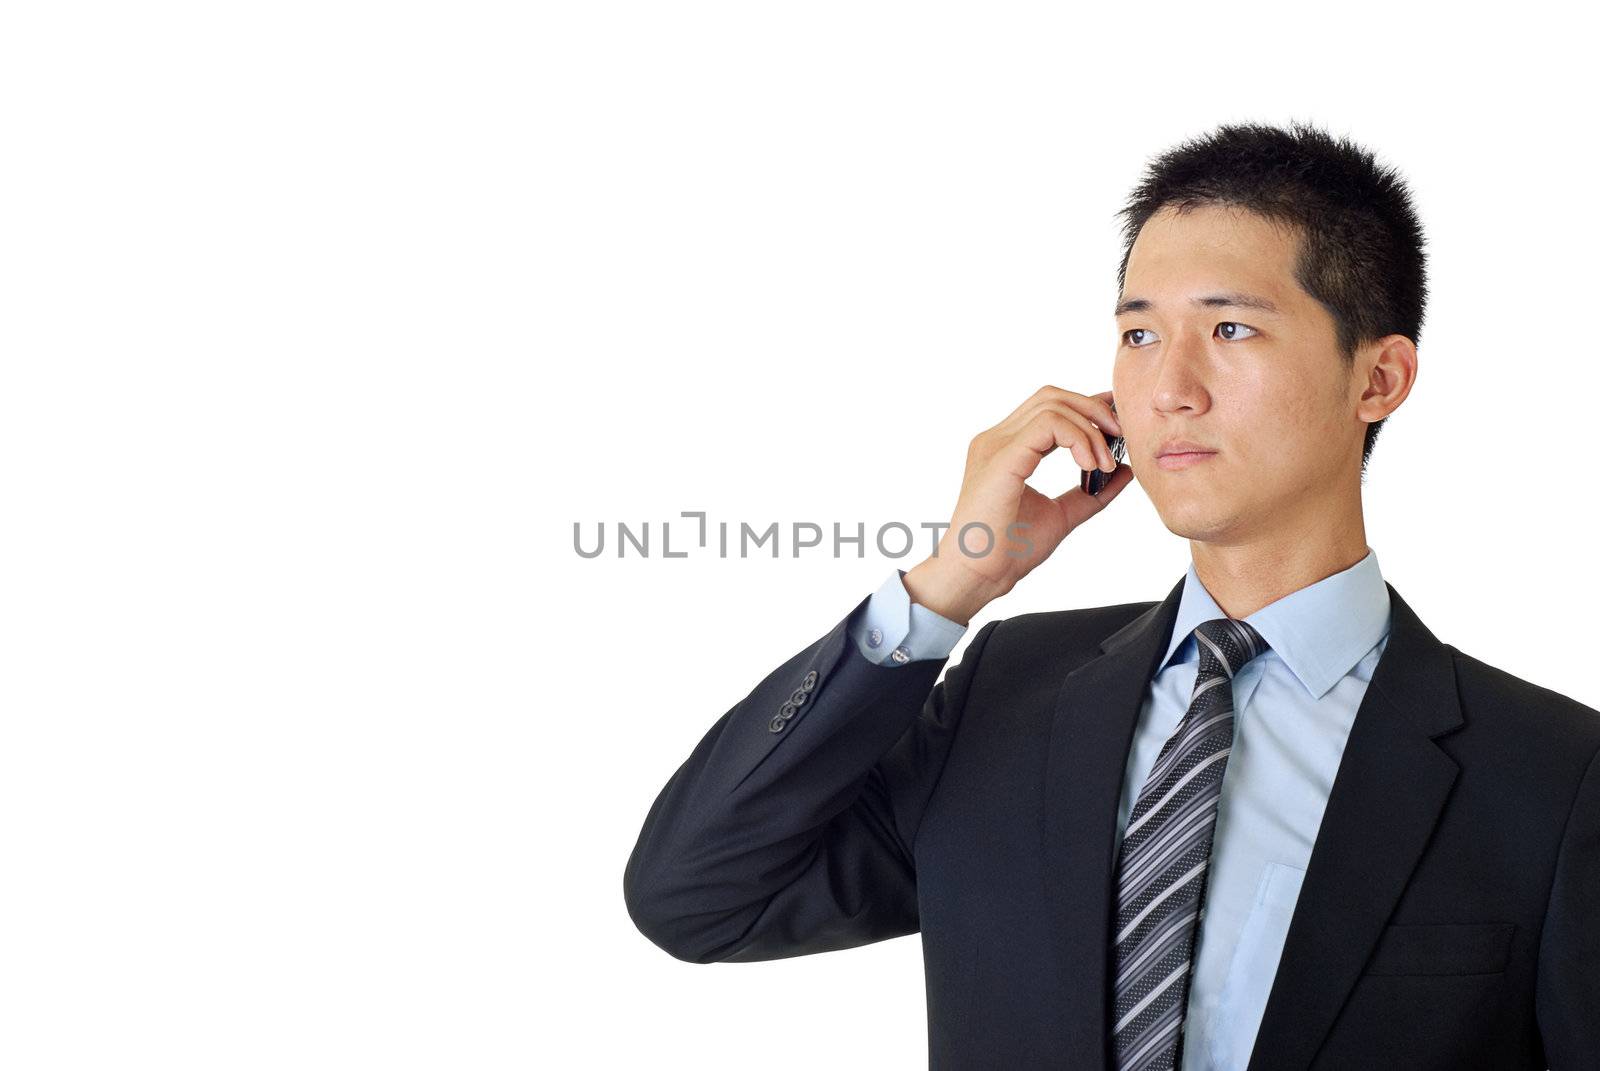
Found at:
[1442, 948]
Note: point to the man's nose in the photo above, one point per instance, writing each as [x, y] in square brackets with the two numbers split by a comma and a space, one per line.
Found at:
[1180, 376]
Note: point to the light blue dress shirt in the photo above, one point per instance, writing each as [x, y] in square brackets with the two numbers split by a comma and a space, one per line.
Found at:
[1293, 709]
[894, 629]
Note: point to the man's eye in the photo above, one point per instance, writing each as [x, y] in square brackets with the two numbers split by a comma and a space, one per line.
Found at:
[1234, 337]
[1127, 336]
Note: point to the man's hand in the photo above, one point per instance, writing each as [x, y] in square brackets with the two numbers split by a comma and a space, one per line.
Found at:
[995, 494]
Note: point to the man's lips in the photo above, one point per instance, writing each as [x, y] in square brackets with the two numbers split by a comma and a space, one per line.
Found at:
[1183, 456]
[1182, 446]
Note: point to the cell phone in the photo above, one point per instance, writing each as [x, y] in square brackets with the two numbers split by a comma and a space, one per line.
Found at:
[1094, 481]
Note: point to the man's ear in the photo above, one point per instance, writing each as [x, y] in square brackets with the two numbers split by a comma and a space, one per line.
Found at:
[1386, 369]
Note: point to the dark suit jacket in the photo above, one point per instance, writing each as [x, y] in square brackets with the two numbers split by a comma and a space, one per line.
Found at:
[1449, 916]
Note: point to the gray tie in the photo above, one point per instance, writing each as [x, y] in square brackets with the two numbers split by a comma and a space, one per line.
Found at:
[1166, 851]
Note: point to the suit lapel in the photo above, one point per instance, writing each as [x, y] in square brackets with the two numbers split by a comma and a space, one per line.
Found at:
[1386, 799]
[1096, 711]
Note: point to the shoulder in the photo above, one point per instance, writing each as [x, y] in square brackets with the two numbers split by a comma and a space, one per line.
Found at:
[1546, 721]
[1055, 635]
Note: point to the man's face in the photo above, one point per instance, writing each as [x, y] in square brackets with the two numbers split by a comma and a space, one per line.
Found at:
[1263, 388]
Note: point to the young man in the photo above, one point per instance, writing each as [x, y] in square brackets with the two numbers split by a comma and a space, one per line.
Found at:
[1268, 822]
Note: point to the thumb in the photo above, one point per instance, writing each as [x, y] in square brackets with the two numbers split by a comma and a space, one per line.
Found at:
[1078, 505]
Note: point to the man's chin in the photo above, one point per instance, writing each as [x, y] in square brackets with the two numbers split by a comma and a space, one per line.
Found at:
[1193, 517]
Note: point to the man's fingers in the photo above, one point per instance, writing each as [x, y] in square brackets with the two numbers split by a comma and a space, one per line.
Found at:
[1093, 439]
[1095, 407]
[1045, 432]
[1106, 417]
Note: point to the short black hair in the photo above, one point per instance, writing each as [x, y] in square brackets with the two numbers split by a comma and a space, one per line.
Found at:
[1361, 243]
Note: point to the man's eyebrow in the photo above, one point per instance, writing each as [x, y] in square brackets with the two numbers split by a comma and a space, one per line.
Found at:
[1234, 299]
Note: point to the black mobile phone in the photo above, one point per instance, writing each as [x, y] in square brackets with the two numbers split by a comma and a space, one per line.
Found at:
[1094, 481]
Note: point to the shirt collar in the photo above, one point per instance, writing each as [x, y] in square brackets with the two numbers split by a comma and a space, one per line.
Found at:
[1320, 631]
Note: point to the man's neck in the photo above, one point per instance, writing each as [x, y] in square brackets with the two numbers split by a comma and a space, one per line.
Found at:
[1243, 578]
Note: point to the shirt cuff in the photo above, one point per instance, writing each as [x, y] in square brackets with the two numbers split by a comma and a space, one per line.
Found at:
[895, 630]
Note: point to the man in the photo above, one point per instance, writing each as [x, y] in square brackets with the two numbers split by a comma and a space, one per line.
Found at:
[1269, 822]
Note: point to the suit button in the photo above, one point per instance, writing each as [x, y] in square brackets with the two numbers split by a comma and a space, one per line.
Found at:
[901, 654]
[875, 638]
[787, 711]
[777, 725]
[799, 697]
[810, 682]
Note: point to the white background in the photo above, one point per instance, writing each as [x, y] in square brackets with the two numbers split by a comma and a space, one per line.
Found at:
[322, 324]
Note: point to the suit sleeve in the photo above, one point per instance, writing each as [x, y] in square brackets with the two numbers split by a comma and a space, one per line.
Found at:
[1568, 989]
[787, 834]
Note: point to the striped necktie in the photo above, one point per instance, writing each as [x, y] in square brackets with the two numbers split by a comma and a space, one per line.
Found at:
[1166, 850]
